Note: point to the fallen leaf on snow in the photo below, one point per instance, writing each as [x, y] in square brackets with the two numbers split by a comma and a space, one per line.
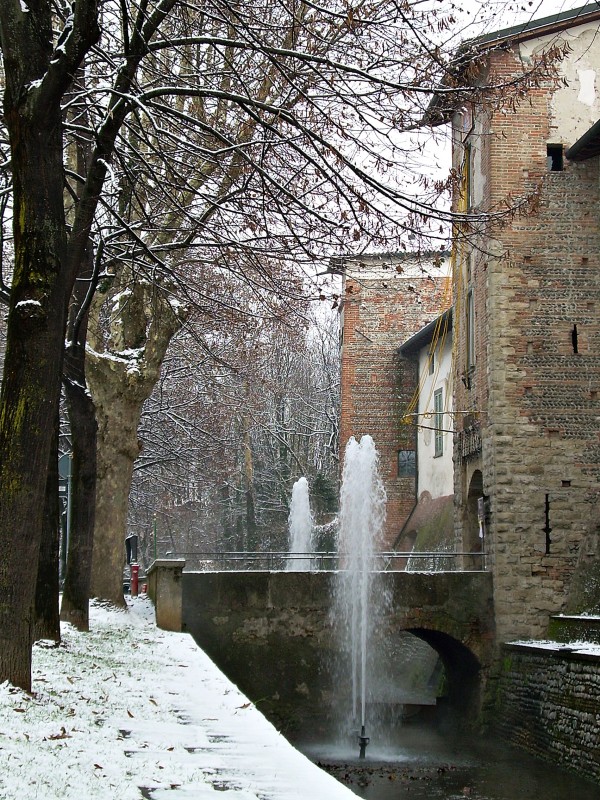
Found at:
[62, 735]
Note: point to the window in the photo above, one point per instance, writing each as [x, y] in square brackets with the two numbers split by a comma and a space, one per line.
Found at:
[466, 125]
[406, 463]
[431, 361]
[467, 178]
[554, 157]
[438, 421]
[470, 330]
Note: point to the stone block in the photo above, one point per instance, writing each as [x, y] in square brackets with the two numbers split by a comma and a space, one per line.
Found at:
[165, 591]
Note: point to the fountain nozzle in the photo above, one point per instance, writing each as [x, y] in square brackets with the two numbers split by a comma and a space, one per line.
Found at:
[363, 741]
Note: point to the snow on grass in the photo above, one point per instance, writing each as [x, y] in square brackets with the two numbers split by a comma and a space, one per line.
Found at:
[129, 711]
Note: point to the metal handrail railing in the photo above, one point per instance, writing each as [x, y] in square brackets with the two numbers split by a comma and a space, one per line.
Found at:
[322, 560]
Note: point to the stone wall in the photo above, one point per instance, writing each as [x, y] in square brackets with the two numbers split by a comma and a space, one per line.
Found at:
[548, 703]
[165, 591]
[271, 634]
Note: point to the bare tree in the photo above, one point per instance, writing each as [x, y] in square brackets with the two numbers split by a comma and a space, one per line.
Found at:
[320, 168]
[244, 411]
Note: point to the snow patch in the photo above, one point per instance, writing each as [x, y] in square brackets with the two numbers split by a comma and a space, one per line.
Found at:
[582, 647]
[119, 299]
[29, 303]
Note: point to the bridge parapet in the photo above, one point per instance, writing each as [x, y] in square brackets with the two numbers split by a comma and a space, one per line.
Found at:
[324, 560]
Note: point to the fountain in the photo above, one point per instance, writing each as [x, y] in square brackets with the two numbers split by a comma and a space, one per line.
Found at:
[362, 516]
[300, 523]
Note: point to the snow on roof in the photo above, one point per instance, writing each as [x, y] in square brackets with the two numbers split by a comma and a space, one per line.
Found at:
[579, 648]
[128, 710]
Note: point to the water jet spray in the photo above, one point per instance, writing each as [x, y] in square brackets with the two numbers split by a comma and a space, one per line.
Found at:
[362, 516]
[300, 522]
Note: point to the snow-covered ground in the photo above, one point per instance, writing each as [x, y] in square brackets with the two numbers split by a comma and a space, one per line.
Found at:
[129, 711]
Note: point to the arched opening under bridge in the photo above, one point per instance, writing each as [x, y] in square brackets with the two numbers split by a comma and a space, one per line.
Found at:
[459, 693]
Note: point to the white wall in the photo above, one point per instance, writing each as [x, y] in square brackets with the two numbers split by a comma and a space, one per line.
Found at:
[576, 106]
[435, 473]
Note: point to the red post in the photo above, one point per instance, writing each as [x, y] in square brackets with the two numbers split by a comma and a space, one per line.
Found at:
[135, 570]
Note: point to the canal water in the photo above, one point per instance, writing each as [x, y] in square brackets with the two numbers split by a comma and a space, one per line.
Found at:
[426, 764]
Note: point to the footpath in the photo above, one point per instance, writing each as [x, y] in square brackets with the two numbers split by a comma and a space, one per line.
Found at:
[128, 711]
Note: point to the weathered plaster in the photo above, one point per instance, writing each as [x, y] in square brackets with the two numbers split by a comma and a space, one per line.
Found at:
[576, 106]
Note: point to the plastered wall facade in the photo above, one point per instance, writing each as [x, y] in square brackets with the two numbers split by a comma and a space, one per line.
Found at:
[387, 299]
[527, 328]
[435, 469]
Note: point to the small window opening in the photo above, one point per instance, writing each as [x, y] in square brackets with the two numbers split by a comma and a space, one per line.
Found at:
[431, 362]
[574, 339]
[547, 528]
[407, 463]
[554, 160]
[470, 331]
[467, 177]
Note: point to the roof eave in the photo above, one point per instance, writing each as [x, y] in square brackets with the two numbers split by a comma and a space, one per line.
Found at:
[412, 346]
[587, 146]
[437, 114]
[535, 28]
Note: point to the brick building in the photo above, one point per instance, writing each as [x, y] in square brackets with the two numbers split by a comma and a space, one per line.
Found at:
[387, 299]
[527, 323]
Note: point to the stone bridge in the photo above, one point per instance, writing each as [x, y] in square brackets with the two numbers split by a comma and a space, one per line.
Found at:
[273, 634]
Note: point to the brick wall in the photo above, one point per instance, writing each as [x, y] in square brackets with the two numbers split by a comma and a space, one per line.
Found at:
[535, 398]
[382, 308]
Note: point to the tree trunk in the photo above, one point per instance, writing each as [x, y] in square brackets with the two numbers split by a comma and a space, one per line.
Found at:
[76, 592]
[47, 621]
[118, 413]
[31, 382]
[82, 419]
[143, 324]
[34, 83]
[251, 527]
